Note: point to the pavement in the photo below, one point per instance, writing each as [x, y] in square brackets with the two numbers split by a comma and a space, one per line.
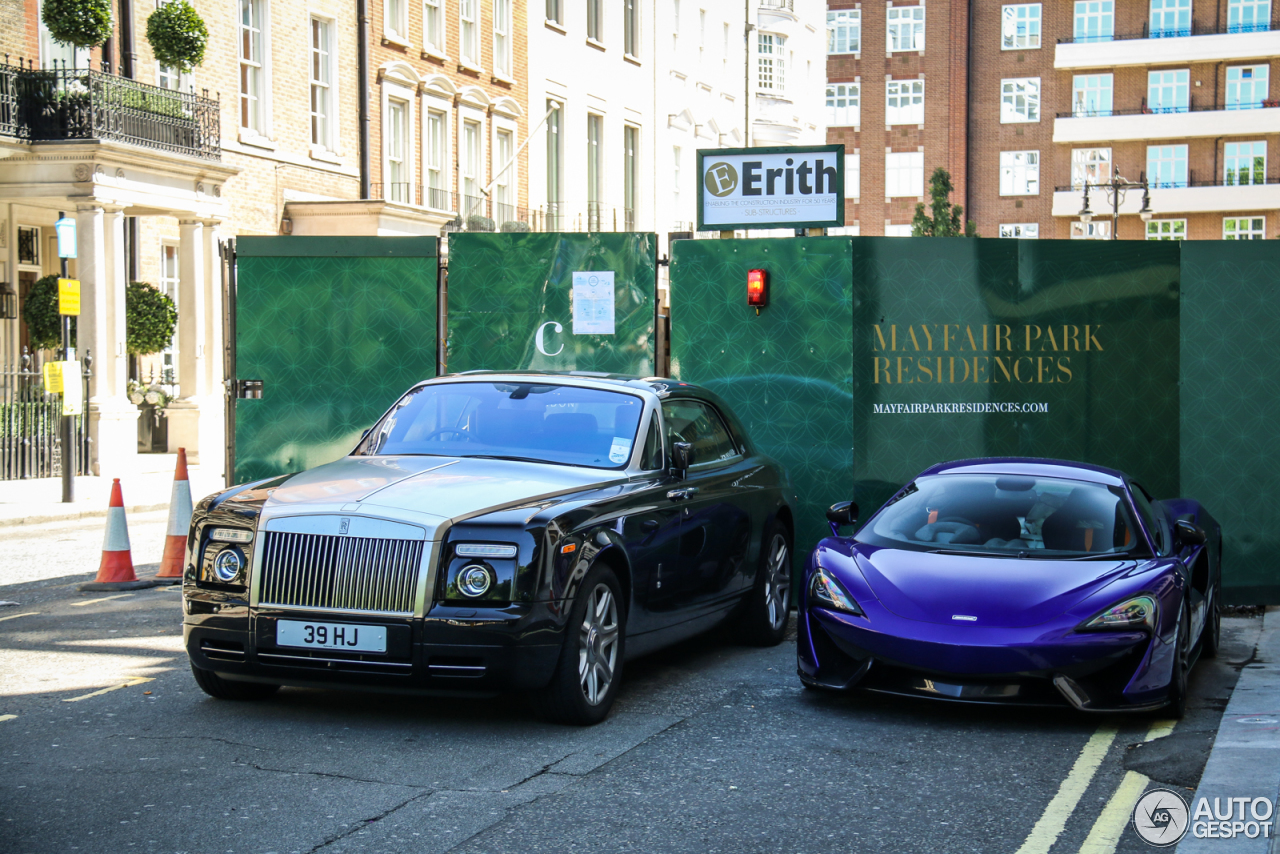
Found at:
[107, 745]
[147, 487]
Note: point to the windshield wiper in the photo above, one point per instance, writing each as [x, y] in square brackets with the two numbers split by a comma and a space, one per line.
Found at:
[501, 457]
[973, 553]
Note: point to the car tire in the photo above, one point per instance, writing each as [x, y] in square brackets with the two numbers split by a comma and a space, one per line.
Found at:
[1177, 705]
[1211, 635]
[592, 653]
[226, 689]
[768, 608]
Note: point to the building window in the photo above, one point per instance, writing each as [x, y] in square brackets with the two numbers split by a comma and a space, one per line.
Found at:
[1020, 100]
[1090, 165]
[471, 170]
[1170, 18]
[844, 31]
[554, 160]
[1167, 229]
[397, 143]
[555, 11]
[724, 48]
[906, 28]
[468, 30]
[321, 83]
[852, 176]
[897, 230]
[904, 174]
[252, 66]
[1020, 27]
[676, 157]
[904, 102]
[1095, 230]
[434, 156]
[1022, 230]
[1247, 86]
[1019, 173]
[702, 33]
[631, 27]
[1095, 20]
[1246, 163]
[1244, 228]
[630, 175]
[1092, 94]
[772, 62]
[595, 171]
[433, 25]
[595, 26]
[502, 37]
[1167, 165]
[1248, 16]
[1169, 91]
[395, 22]
[169, 267]
[169, 77]
[504, 208]
[843, 108]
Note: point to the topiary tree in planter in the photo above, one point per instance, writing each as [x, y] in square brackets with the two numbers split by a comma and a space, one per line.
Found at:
[40, 313]
[82, 23]
[150, 319]
[178, 35]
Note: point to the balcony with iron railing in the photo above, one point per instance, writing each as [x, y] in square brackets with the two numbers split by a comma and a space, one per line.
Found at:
[1145, 122]
[1245, 190]
[67, 103]
[1192, 43]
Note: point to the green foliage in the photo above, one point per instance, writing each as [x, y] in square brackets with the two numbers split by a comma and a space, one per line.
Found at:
[947, 219]
[479, 222]
[83, 23]
[40, 313]
[150, 319]
[515, 227]
[177, 34]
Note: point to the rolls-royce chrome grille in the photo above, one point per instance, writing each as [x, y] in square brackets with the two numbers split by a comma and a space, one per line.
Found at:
[340, 573]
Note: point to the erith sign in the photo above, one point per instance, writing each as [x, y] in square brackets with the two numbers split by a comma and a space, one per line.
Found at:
[790, 187]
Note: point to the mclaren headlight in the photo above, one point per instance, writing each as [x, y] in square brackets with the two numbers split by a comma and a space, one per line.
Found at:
[826, 592]
[1138, 612]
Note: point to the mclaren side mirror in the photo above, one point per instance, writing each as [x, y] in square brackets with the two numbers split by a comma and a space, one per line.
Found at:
[1189, 533]
[681, 459]
[844, 513]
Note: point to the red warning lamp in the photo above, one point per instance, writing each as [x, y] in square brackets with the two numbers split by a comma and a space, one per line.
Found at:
[757, 289]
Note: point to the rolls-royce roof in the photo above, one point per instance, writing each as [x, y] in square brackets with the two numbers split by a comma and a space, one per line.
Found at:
[661, 386]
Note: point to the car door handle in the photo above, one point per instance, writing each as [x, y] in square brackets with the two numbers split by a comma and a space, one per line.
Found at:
[682, 494]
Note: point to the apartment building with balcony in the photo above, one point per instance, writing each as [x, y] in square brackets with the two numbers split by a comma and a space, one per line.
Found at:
[897, 98]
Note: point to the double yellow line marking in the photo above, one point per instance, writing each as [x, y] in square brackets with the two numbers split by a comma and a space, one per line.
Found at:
[137, 680]
[1106, 831]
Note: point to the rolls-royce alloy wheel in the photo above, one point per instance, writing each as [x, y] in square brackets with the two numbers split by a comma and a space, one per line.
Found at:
[764, 623]
[586, 678]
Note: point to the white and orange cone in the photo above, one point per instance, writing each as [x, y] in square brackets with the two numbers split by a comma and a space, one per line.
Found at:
[115, 572]
[175, 541]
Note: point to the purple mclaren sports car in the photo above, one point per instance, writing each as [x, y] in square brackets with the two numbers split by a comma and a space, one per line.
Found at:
[1016, 581]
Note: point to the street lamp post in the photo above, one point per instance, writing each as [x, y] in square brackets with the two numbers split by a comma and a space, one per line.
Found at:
[65, 228]
[1114, 191]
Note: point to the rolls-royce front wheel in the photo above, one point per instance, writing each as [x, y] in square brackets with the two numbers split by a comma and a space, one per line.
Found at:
[590, 666]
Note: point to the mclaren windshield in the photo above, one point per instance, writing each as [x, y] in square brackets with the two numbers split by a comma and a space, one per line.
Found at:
[561, 424]
[1007, 516]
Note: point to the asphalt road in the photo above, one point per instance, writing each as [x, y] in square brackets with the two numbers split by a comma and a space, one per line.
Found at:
[711, 748]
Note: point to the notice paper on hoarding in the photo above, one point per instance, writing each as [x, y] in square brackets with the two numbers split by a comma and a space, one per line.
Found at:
[593, 303]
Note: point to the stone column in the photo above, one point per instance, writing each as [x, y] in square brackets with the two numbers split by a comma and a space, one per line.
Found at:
[112, 368]
[184, 413]
[213, 412]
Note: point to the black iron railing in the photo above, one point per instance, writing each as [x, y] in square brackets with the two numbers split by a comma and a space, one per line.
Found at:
[416, 195]
[1237, 178]
[55, 104]
[1172, 32]
[1191, 107]
[30, 424]
[789, 5]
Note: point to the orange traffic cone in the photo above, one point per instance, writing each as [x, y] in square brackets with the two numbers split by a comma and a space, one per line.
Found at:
[116, 570]
[175, 541]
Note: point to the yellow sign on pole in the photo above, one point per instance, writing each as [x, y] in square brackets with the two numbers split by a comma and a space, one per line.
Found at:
[72, 388]
[69, 297]
[53, 377]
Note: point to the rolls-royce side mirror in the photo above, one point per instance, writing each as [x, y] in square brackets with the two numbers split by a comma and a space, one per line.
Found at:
[1189, 533]
[681, 459]
[843, 513]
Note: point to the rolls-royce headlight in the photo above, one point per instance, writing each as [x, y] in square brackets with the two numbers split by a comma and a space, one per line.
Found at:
[228, 564]
[230, 535]
[484, 550]
[474, 581]
[826, 592]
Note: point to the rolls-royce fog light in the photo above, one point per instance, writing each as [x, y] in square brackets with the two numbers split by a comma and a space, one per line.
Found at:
[474, 581]
[227, 564]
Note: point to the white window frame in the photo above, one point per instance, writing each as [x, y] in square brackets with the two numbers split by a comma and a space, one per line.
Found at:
[436, 105]
[259, 129]
[1169, 90]
[395, 21]
[469, 34]
[1257, 20]
[1170, 18]
[471, 117]
[503, 64]
[677, 163]
[904, 174]
[1095, 21]
[433, 11]
[852, 177]
[1166, 229]
[1019, 100]
[1259, 79]
[390, 187]
[631, 44]
[1090, 165]
[1255, 228]
[595, 20]
[905, 26]
[1092, 94]
[1020, 173]
[904, 102]
[1020, 230]
[508, 181]
[1175, 155]
[1020, 26]
[1098, 229]
[328, 140]
[1232, 157]
[844, 32]
[900, 230]
[848, 113]
[771, 64]
[555, 12]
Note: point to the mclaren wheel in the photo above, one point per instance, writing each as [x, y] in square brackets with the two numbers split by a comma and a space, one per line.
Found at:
[1211, 635]
[1177, 705]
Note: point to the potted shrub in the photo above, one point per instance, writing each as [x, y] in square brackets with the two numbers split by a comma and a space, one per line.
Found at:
[150, 321]
[40, 313]
[81, 23]
[177, 35]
